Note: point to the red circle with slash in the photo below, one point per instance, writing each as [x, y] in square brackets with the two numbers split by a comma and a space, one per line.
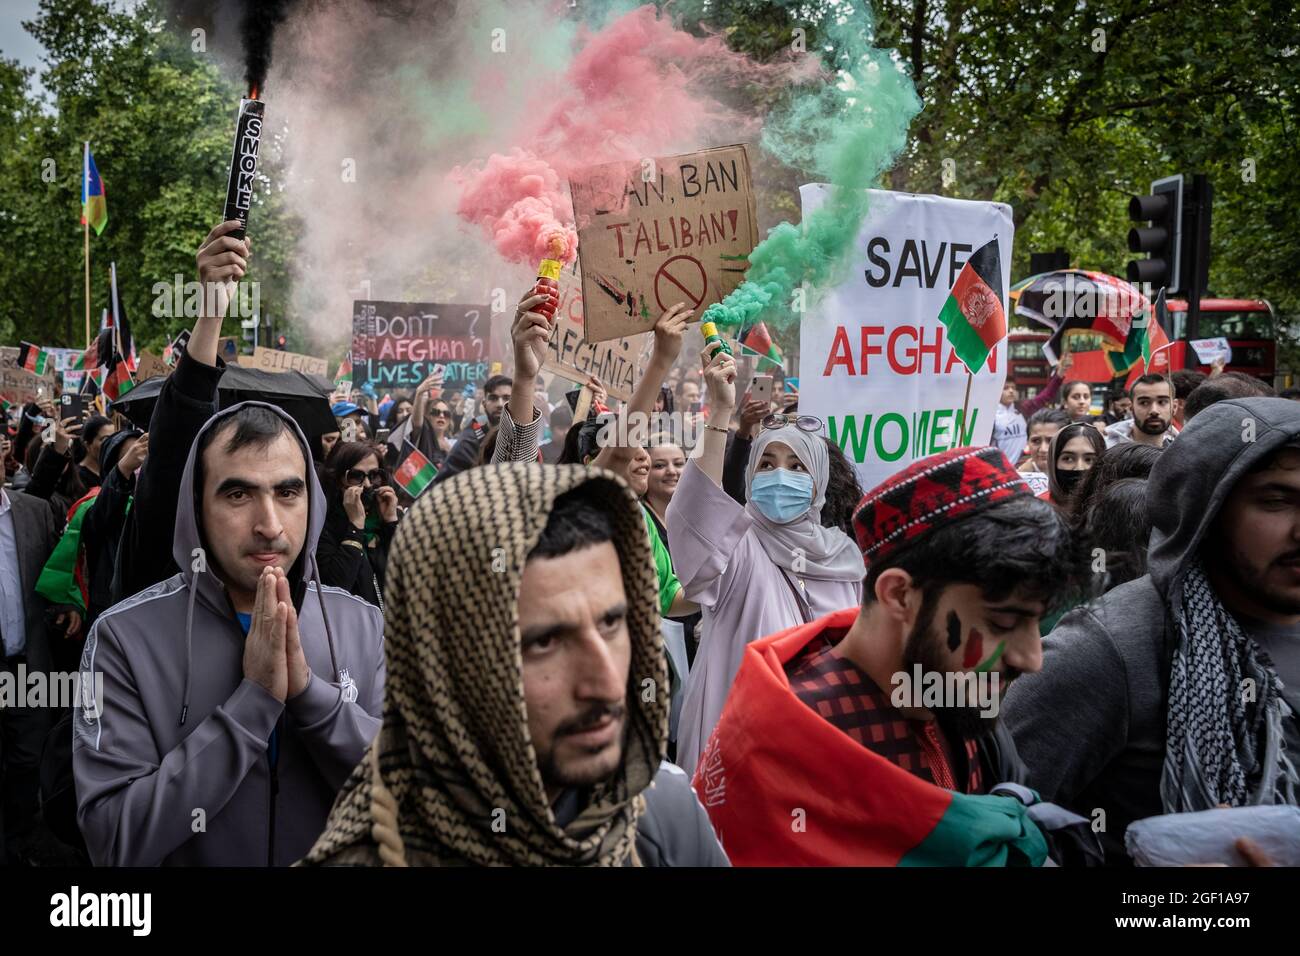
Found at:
[681, 276]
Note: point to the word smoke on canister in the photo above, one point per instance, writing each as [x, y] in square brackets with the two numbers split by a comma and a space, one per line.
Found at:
[243, 162]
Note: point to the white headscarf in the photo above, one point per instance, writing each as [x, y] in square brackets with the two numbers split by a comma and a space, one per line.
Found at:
[803, 546]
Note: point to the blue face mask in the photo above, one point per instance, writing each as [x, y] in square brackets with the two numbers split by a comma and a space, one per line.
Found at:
[782, 495]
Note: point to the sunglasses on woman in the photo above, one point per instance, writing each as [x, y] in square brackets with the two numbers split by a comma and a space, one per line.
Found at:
[441, 412]
[806, 423]
[356, 476]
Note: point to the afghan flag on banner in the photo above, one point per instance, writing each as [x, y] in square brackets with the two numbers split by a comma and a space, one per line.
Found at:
[770, 752]
[117, 379]
[34, 358]
[94, 199]
[414, 472]
[974, 314]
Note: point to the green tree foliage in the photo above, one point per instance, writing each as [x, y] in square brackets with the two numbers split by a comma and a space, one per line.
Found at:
[160, 120]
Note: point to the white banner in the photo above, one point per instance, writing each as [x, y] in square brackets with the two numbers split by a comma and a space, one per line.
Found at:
[1207, 350]
[875, 363]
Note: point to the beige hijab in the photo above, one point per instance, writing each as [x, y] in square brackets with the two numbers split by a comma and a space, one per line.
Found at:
[452, 778]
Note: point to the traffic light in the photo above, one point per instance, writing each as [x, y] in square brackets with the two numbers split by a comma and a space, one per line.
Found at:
[280, 342]
[1162, 240]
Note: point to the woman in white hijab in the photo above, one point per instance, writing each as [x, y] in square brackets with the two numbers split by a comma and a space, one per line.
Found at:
[757, 568]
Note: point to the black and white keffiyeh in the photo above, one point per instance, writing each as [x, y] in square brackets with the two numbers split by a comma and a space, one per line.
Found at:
[1223, 738]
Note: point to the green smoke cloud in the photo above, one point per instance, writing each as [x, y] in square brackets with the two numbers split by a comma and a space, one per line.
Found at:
[845, 131]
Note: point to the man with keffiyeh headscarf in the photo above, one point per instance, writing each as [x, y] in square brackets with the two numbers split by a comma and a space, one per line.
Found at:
[526, 703]
[1178, 692]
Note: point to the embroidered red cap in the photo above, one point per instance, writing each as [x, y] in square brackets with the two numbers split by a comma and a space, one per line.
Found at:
[933, 491]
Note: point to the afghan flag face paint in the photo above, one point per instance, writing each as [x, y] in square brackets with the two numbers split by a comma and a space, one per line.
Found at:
[414, 472]
[974, 315]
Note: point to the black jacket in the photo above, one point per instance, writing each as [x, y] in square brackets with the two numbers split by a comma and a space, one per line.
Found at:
[101, 529]
[359, 571]
[47, 476]
[187, 400]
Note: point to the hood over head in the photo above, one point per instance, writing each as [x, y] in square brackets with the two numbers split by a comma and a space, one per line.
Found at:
[189, 537]
[1198, 471]
[455, 745]
[803, 546]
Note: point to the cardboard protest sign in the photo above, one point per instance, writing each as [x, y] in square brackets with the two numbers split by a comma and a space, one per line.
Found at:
[20, 385]
[397, 344]
[276, 360]
[1207, 350]
[661, 231]
[875, 361]
[148, 365]
[228, 348]
[616, 362]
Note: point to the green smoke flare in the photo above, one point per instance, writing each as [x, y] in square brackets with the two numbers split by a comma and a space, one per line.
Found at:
[847, 132]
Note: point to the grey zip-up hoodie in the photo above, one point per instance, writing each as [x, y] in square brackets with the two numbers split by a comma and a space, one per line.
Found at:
[1091, 723]
[176, 767]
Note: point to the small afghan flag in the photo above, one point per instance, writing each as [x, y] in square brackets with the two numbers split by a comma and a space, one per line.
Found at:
[94, 199]
[117, 380]
[414, 472]
[757, 339]
[33, 358]
[973, 314]
[85, 360]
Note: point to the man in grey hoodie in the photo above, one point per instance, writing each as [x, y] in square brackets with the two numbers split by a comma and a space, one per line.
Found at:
[1179, 691]
[238, 694]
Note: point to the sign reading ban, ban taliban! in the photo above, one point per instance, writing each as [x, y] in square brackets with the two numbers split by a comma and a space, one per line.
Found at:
[660, 231]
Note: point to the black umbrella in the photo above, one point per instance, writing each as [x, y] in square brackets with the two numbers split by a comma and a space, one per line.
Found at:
[137, 404]
[292, 391]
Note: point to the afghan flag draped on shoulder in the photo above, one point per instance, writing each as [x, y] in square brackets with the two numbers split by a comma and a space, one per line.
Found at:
[94, 199]
[414, 472]
[974, 314]
[771, 752]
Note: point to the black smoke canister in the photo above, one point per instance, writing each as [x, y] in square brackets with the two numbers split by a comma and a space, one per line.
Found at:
[243, 163]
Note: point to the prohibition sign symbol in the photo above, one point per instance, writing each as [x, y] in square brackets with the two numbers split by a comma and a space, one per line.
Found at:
[680, 276]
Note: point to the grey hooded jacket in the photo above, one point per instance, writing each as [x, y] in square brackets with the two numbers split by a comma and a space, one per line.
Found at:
[173, 765]
[1091, 723]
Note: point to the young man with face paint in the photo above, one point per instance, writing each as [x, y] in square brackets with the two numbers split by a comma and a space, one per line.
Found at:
[961, 562]
[1177, 692]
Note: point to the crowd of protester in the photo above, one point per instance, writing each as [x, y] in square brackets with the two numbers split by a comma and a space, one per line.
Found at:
[643, 633]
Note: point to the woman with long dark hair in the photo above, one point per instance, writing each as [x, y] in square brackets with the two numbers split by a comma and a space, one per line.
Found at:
[1074, 450]
[360, 519]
